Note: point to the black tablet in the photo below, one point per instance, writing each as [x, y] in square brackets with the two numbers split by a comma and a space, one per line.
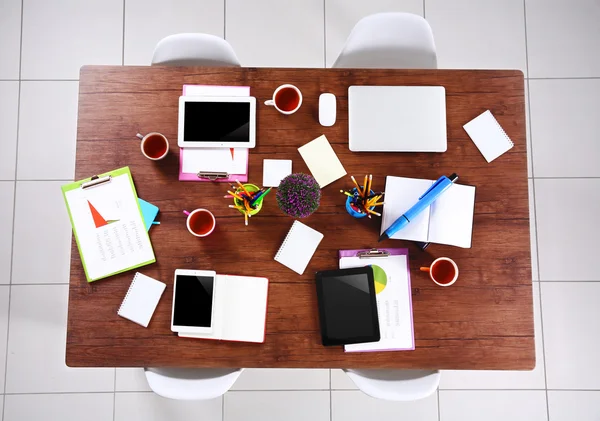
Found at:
[347, 306]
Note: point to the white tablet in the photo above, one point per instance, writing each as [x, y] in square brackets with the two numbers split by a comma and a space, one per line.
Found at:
[193, 301]
[217, 122]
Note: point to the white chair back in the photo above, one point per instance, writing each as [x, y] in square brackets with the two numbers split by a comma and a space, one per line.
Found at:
[396, 385]
[389, 41]
[194, 50]
[191, 383]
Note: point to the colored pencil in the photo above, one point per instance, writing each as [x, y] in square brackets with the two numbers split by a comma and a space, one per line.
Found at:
[246, 218]
[235, 195]
[368, 191]
[346, 193]
[364, 193]
[355, 183]
[243, 188]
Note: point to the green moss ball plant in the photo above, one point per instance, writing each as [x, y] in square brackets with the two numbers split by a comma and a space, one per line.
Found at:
[298, 195]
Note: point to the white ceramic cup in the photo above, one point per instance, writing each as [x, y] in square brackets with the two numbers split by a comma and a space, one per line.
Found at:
[191, 214]
[144, 145]
[271, 102]
[431, 270]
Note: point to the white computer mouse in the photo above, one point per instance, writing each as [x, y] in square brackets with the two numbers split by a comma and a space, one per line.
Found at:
[327, 109]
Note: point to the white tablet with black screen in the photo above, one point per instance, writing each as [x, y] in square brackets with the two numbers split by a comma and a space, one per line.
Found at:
[217, 122]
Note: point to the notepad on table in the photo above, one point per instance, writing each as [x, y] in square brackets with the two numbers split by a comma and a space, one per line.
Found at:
[275, 170]
[322, 161]
[298, 247]
[141, 299]
[449, 220]
[489, 137]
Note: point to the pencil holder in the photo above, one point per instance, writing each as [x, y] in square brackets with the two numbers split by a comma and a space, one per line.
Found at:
[353, 210]
[251, 188]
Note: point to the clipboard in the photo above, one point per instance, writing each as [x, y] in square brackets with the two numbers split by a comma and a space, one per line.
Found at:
[94, 228]
[377, 257]
[220, 177]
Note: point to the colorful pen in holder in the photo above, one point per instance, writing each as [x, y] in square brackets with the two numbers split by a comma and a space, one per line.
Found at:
[352, 206]
[247, 199]
[359, 203]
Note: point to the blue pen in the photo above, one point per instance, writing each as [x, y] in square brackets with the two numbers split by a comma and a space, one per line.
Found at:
[440, 186]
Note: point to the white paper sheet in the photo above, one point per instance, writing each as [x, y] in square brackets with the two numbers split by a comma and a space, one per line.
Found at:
[275, 170]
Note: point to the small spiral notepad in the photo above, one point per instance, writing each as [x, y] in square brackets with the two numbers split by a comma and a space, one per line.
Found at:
[489, 137]
[141, 299]
[298, 247]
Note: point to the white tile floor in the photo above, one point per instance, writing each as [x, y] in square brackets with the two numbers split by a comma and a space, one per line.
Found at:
[43, 43]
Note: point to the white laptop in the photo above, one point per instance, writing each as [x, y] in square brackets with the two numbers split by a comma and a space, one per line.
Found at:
[397, 118]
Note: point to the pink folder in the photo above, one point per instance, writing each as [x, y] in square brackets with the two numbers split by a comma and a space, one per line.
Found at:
[214, 90]
[194, 176]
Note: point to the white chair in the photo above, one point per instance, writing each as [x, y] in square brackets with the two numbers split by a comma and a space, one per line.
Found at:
[396, 385]
[389, 41]
[194, 50]
[191, 383]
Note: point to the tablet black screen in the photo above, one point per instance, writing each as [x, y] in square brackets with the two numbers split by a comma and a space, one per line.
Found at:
[216, 122]
[347, 306]
[193, 301]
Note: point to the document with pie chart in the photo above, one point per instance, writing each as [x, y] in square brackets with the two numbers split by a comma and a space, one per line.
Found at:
[108, 225]
[394, 299]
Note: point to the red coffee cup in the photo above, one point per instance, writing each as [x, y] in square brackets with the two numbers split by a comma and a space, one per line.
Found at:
[154, 145]
[287, 99]
[443, 271]
[200, 222]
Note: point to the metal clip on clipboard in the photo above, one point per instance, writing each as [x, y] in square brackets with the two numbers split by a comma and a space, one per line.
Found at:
[372, 253]
[96, 181]
[212, 176]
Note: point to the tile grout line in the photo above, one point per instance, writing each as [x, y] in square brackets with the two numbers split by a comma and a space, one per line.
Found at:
[12, 245]
[537, 248]
[225, 20]
[223, 406]
[325, 50]
[424, 17]
[115, 395]
[123, 39]
[439, 411]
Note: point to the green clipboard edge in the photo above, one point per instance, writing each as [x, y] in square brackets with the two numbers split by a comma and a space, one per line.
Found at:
[77, 184]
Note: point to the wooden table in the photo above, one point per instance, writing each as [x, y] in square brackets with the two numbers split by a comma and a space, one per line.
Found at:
[484, 321]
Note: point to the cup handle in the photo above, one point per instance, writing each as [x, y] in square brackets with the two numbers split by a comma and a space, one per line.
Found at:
[270, 102]
[140, 136]
[424, 269]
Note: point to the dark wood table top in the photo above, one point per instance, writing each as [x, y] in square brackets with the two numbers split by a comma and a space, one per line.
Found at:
[483, 321]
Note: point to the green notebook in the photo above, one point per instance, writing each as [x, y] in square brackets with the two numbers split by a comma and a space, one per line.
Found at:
[108, 224]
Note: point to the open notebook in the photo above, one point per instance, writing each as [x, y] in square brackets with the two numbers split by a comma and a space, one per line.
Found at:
[240, 310]
[449, 220]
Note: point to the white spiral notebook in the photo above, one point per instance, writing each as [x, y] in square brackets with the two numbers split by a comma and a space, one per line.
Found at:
[489, 137]
[141, 299]
[298, 247]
